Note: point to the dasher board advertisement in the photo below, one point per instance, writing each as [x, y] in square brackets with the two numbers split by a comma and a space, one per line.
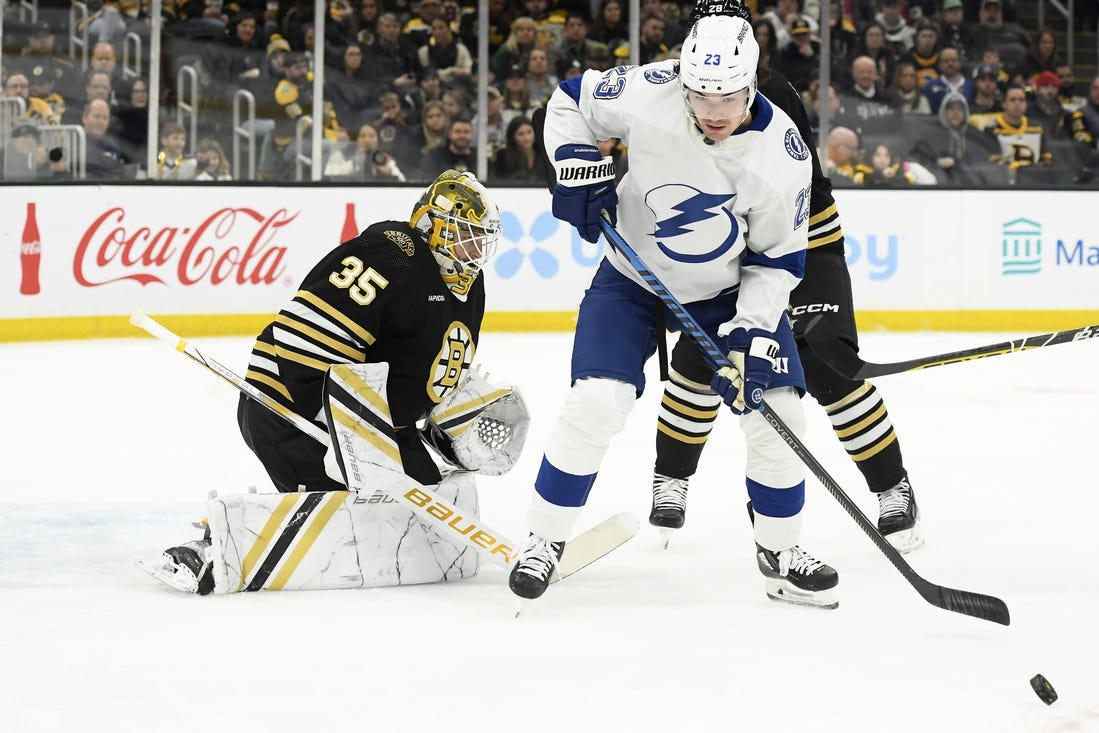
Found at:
[222, 259]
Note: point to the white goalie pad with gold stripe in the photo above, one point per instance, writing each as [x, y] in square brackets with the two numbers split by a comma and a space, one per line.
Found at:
[339, 539]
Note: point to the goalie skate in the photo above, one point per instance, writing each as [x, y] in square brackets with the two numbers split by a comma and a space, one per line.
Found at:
[185, 568]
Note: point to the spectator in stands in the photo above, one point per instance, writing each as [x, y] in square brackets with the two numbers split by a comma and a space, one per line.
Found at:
[1070, 96]
[447, 55]
[985, 97]
[366, 20]
[291, 100]
[500, 17]
[40, 52]
[1084, 122]
[495, 124]
[953, 31]
[888, 168]
[240, 58]
[1043, 55]
[459, 152]
[811, 99]
[210, 161]
[106, 23]
[573, 45]
[431, 132]
[1020, 142]
[599, 57]
[1008, 38]
[955, 151]
[1044, 108]
[610, 26]
[41, 87]
[673, 31]
[172, 163]
[842, 157]
[651, 44]
[782, 17]
[131, 123]
[906, 91]
[764, 32]
[429, 88]
[517, 99]
[991, 57]
[550, 23]
[105, 160]
[873, 45]
[352, 91]
[924, 55]
[97, 85]
[35, 108]
[104, 58]
[844, 39]
[454, 102]
[864, 106]
[391, 59]
[419, 27]
[395, 132]
[950, 79]
[518, 161]
[540, 81]
[898, 34]
[22, 158]
[515, 50]
[800, 60]
[363, 160]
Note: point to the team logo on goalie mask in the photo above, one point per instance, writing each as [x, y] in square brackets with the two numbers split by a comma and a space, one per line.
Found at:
[453, 360]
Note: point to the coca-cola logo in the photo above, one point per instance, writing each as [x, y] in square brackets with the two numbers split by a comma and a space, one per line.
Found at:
[230, 245]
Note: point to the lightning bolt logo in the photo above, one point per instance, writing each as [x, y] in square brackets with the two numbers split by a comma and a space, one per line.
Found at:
[692, 210]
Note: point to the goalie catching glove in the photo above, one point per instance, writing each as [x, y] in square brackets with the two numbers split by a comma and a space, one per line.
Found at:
[742, 385]
[480, 427]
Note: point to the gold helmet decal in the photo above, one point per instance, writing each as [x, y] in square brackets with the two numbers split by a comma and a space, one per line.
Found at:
[462, 226]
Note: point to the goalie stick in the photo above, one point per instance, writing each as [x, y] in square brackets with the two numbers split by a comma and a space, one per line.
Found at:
[965, 602]
[820, 337]
[580, 552]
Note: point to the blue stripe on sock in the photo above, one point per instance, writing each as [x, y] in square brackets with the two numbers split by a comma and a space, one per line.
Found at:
[561, 488]
[772, 502]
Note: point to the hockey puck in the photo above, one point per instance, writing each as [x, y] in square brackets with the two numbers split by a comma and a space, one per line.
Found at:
[1043, 689]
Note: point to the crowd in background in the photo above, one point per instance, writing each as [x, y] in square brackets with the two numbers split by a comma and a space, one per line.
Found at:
[922, 92]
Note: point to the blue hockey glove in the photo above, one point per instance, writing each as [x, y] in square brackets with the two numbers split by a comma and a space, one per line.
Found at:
[585, 186]
[742, 385]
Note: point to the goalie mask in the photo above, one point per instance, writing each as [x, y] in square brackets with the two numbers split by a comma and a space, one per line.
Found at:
[717, 70]
[462, 226]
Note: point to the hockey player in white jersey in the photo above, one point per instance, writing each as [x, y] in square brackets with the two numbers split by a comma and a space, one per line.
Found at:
[716, 202]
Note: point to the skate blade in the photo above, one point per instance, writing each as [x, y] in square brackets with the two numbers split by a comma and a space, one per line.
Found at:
[180, 579]
[906, 540]
[521, 604]
[780, 590]
[666, 534]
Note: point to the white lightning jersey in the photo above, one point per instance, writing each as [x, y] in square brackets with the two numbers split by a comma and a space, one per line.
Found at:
[704, 218]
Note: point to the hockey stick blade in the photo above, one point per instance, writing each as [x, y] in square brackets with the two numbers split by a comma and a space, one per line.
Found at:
[586, 548]
[820, 337]
[977, 605]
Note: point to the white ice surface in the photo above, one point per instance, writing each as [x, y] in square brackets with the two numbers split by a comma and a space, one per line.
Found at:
[110, 447]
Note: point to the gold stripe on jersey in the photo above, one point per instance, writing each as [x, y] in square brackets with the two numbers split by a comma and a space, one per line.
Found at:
[333, 501]
[266, 535]
[318, 336]
[385, 446]
[254, 376]
[352, 327]
[285, 353]
[825, 227]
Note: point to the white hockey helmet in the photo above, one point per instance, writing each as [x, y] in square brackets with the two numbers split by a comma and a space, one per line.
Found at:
[719, 57]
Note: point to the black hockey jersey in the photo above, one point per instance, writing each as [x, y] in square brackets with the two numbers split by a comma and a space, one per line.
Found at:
[376, 298]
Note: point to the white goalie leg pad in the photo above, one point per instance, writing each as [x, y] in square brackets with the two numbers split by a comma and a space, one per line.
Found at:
[485, 425]
[356, 405]
[594, 412]
[339, 539]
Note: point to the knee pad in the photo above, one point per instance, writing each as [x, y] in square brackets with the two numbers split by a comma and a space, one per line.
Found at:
[594, 411]
[770, 461]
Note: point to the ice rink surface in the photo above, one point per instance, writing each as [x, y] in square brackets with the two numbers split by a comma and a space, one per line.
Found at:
[112, 446]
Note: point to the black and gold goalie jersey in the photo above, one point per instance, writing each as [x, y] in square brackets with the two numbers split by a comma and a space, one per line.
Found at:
[376, 298]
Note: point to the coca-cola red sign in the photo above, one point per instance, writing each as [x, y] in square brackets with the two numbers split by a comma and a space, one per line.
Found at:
[231, 244]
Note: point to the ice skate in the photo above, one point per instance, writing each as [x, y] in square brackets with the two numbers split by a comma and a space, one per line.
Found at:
[669, 510]
[185, 568]
[899, 517]
[795, 576]
[534, 567]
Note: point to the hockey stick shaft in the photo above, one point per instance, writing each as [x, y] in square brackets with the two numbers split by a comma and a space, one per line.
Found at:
[977, 605]
[822, 340]
[580, 552]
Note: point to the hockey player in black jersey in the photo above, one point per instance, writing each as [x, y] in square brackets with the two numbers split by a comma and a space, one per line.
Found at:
[855, 409]
[401, 306]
